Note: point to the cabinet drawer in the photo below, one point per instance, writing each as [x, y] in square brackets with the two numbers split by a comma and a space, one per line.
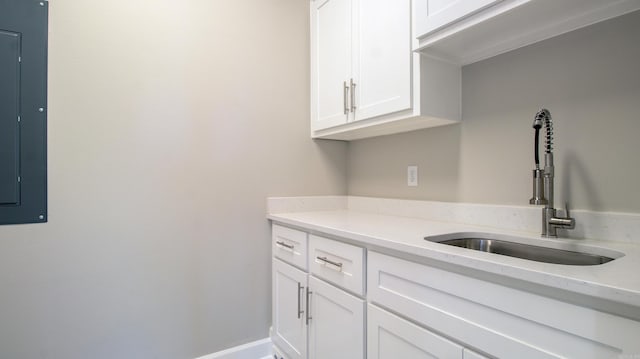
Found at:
[501, 321]
[337, 262]
[290, 245]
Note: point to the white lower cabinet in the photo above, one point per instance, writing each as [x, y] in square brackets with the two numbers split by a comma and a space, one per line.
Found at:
[501, 321]
[418, 310]
[336, 327]
[312, 318]
[390, 337]
[288, 310]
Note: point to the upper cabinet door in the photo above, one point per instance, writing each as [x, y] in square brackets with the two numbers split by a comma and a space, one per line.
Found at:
[382, 63]
[365, 79]
[331, 58]
[433, 15]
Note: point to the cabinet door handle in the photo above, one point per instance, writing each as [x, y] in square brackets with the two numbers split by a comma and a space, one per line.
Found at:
[308, 316]
[281, 243]
[300, 311]
[345, 97]
[327, 260]
[353, 96]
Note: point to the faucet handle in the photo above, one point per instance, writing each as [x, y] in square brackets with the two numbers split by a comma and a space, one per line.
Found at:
[566, 221]
[566, 209]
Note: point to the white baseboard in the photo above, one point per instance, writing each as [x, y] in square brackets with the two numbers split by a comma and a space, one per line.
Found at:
[254, 350]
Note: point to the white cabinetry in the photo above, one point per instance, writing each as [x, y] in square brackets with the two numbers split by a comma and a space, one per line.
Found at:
[338, 263]
[290, 245]
[365, 80]
[500, 321]
[311, 318]
[331, 54]
[382, 61]
[433, 15]
[289, 308]
[391, 337]
[336, 328]
[418, 310]
[466, 31]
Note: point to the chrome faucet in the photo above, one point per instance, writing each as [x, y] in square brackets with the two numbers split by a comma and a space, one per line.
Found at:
[543, 180]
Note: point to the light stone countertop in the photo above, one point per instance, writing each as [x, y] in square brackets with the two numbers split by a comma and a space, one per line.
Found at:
[617, 281]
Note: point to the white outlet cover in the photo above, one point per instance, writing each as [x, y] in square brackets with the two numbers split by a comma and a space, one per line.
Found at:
[412, 176]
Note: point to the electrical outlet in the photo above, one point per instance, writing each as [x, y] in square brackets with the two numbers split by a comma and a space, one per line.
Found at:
[412, 176]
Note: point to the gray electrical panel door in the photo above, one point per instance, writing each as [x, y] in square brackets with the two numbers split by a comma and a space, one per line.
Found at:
[9, 111]
[23, 111]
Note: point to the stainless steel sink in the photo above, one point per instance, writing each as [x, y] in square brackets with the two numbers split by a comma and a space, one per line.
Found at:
[525, 251]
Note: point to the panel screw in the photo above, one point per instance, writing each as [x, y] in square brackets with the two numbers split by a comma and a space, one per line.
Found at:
[41, 109]
[41, 216]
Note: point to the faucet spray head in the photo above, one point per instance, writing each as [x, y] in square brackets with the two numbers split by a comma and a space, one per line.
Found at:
[542, 117]
[537, 122]
[538, 188]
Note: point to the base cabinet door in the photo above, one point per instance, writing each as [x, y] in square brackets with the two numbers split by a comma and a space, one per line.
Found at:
[336, 324]
[289, 326]
[391, 337]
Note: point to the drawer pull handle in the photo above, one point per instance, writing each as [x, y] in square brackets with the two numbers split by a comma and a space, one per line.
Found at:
[345, 96]
[326, 260]
[308, 316]
[300, 311]
[282, 244]
[353, 96]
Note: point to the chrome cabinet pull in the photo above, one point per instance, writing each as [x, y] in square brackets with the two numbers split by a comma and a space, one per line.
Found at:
[308, 316]
[345, 97]
[300, 311]
[327, 260]
[353, 96]
[280, 243]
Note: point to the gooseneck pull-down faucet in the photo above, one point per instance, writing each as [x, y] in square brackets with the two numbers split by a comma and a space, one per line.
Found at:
[543, 180]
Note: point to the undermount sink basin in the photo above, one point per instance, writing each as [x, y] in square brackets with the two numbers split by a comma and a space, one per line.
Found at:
[491, 244]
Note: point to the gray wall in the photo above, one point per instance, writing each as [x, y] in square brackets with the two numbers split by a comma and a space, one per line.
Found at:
[170, 122]
[589, 80]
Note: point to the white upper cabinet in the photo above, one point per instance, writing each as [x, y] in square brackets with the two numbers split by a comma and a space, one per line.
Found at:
[365, 79]
[436, 14]
[332, 53]
[382, 66]
[466, 31]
